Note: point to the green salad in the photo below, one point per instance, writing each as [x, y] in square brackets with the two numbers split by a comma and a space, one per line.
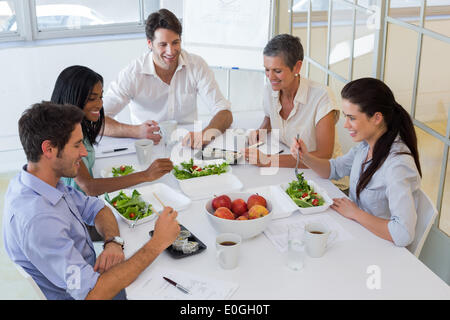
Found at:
[122, 171]
[303, 194]
[187, 170]
[132, 207]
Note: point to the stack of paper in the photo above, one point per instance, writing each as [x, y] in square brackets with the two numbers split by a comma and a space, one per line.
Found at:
[154, 287]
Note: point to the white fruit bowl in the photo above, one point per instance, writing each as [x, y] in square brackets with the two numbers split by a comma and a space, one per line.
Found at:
[245, 228]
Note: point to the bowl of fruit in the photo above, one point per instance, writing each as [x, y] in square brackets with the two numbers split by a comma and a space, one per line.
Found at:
[246, 214]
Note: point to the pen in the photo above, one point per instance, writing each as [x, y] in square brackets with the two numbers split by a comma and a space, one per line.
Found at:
[179, 287]
[114, 150]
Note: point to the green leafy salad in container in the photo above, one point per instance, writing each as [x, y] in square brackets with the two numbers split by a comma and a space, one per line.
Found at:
[303, 194]
[122, 171]
[132, 207]
[187, 170]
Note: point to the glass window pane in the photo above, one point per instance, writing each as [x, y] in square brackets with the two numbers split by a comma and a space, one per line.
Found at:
[431, 151]
[444, 221]
[433, 92]
[401, 48]
[175, 6]
[408, 11]
[7, 17]
[316, 74]
[319, 34]
[437, 15]
[341, 37]
[250, 82]
[363, 47]
[57, 14]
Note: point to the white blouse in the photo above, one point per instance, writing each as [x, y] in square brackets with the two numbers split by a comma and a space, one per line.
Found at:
[312, 102]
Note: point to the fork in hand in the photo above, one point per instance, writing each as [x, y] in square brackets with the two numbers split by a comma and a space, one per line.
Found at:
[298, 159]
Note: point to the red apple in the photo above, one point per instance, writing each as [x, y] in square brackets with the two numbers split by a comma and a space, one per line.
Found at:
[224, 213]
[238, 207]
[256, 199]
[257, 211]
[221, 201]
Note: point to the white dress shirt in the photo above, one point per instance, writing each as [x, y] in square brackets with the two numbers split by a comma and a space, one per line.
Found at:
[312, 102]
[150, 98]
[392, 192]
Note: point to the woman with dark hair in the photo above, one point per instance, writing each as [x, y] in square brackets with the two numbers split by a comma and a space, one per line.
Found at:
[82, 87]
[384, 168]
[294, 105]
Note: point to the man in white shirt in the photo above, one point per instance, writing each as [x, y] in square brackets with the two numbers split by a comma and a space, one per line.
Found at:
[163, 85]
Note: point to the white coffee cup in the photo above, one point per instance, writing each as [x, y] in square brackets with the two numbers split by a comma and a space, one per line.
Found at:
[317, 239]
[167, 128]
[144, 152]
[227, 246]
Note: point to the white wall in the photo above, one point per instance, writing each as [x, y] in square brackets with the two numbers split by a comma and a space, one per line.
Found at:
[28, 74]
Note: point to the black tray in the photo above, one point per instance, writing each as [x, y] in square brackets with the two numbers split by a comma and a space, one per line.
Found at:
[177, 254]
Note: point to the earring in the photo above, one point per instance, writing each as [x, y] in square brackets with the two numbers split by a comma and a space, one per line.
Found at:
[296, 75]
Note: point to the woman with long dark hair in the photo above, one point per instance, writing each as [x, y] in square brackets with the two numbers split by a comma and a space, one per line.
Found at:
[82, 87]
[384, 168]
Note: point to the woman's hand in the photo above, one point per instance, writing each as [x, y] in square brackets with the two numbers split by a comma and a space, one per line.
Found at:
[345, 207]
[256, 136]
[298, 146]
[158, 168]
[256, 157]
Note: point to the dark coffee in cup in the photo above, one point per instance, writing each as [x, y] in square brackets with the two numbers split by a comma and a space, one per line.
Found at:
[228, 243]
[316, 232]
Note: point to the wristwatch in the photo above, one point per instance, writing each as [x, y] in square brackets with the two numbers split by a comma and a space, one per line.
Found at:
[115, 239]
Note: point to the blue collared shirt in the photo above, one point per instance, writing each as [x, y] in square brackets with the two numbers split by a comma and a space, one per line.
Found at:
[392, 192]
[44, 233]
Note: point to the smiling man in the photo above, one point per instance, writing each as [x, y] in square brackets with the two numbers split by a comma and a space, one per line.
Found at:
[163, 84]
[44, 228]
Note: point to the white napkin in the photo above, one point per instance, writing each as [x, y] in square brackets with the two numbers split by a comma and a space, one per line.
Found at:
[284, 206]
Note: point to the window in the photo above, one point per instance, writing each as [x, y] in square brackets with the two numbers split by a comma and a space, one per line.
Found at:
[342, 44]
[8, 27]
[45, 19]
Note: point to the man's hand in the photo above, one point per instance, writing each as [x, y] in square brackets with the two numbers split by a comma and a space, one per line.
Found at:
[158, 168]
[166, 228]
[150, 130]
[110, 256]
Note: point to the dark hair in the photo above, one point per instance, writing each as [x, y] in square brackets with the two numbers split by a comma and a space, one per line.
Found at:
[47, 121]
[162, 19]
[286, 46]
[372, 95]
[74, 86]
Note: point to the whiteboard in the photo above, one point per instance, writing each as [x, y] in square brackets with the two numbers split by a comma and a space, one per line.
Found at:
[238, 25]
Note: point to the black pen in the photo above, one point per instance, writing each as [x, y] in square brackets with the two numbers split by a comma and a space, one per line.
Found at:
[114, 150]
[179, 287]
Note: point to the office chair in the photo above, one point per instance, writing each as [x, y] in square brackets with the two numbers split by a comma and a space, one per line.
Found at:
[426, 214]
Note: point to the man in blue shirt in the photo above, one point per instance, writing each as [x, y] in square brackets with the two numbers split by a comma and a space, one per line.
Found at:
[44, 221]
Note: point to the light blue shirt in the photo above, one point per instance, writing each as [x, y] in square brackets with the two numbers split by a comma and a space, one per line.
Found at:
[392, 192]
[44, 233]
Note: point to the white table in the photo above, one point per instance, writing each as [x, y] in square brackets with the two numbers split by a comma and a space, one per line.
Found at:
[342, 273]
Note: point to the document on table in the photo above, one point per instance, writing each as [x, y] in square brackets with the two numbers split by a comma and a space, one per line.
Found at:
[108, 144]
[277, 232]
[200, 287]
